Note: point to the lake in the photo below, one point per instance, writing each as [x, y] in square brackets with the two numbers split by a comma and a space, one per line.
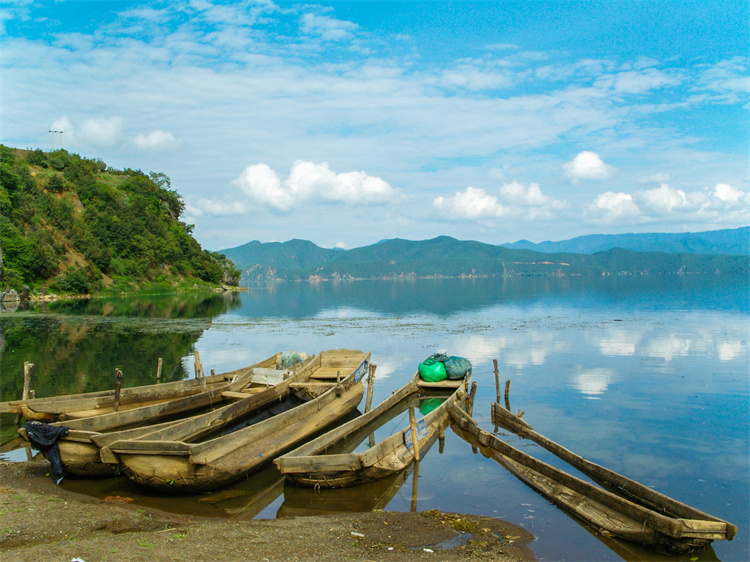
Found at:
[646, 376]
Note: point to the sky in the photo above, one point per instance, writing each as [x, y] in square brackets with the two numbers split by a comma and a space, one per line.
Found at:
[346, 123]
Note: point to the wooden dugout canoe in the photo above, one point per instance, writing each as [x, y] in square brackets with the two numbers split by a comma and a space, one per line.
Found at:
[89, 404]
[80, 448]
[188, 457]
[309, 465]
[644, 516]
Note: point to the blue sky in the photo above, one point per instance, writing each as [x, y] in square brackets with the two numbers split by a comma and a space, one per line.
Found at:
[346, 123]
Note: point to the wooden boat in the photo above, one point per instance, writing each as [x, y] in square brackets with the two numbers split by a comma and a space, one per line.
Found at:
[310, 465]
[76, 406]
[80, 447]
[645, 516]
[194, 455]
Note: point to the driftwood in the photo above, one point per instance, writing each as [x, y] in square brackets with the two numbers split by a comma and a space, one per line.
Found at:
[193, 454]
[317, 463]
[610, 514]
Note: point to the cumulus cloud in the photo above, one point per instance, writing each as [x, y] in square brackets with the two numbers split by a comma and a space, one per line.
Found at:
[156, 140]
[722, 205]
[586, 165]
[311, 181]
[664, 200]
[515, 192]
[613, 205]
[473, 203]
[515, 199]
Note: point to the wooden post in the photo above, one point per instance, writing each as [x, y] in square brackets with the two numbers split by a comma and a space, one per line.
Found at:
[158, 371]
[414, 488]
[32, 394]
[118, 388]
[338, 383]
[198, 368]
[472, 394]
[507, 395]
[26, 383]
[370, 381]
[441, 438]
[413, 427]
[497, 380]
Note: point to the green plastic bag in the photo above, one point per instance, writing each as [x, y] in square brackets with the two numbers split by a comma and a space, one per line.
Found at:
[433, 373]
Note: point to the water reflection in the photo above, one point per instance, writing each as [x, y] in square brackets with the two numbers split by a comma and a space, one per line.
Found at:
[449, 296]
[640, 375]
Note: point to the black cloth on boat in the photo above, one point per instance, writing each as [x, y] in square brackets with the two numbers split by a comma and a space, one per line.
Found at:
[44, 437]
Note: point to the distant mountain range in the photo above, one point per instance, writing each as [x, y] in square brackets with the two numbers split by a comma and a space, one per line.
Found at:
[734, 242]
[444, 256]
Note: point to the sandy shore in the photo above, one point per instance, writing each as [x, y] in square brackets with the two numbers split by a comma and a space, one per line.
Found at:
[42, 521]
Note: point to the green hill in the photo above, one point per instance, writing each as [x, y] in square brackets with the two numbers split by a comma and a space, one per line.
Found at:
[73, 225]
[447, 257]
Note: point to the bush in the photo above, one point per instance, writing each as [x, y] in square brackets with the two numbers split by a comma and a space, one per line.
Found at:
[74, 281]
[55, 184]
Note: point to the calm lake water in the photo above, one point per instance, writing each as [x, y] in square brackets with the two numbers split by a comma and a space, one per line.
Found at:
[646, 376]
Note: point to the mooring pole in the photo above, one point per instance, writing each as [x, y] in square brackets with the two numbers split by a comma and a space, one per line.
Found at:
[158, 371]
[497, 380]
[413, 428]
[118, 388]
[370, 381]
[26, 384]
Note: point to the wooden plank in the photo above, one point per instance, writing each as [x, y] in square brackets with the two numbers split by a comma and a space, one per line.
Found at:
[447, 384]
[150, 447]
[296, 385]
[346, 462]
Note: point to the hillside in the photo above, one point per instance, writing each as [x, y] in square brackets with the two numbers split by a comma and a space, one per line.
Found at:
[447, 257]
[734, 241]
[73, 225]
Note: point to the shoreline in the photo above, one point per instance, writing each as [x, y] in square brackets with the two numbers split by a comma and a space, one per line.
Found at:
[41, 519]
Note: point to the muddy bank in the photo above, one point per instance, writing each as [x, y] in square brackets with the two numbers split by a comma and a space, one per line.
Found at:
[41, 521]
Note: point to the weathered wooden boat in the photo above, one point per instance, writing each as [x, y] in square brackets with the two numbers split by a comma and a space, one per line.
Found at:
[644, 516]
[204, 453]
[80, 447]
[310, 465]
[76, 406]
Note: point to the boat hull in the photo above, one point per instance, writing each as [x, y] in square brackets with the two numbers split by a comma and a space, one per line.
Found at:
[180, 474]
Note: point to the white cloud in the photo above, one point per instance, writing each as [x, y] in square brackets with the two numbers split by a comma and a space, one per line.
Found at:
[586, 165]
[728, 194]
[473, 203]
[157, 140]
[518, 194]
[329, 29]
[641, 81]
[102, 132]
[316, 182]
[205, 207]
[664, 200]
[99, 132]
[612, 205]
